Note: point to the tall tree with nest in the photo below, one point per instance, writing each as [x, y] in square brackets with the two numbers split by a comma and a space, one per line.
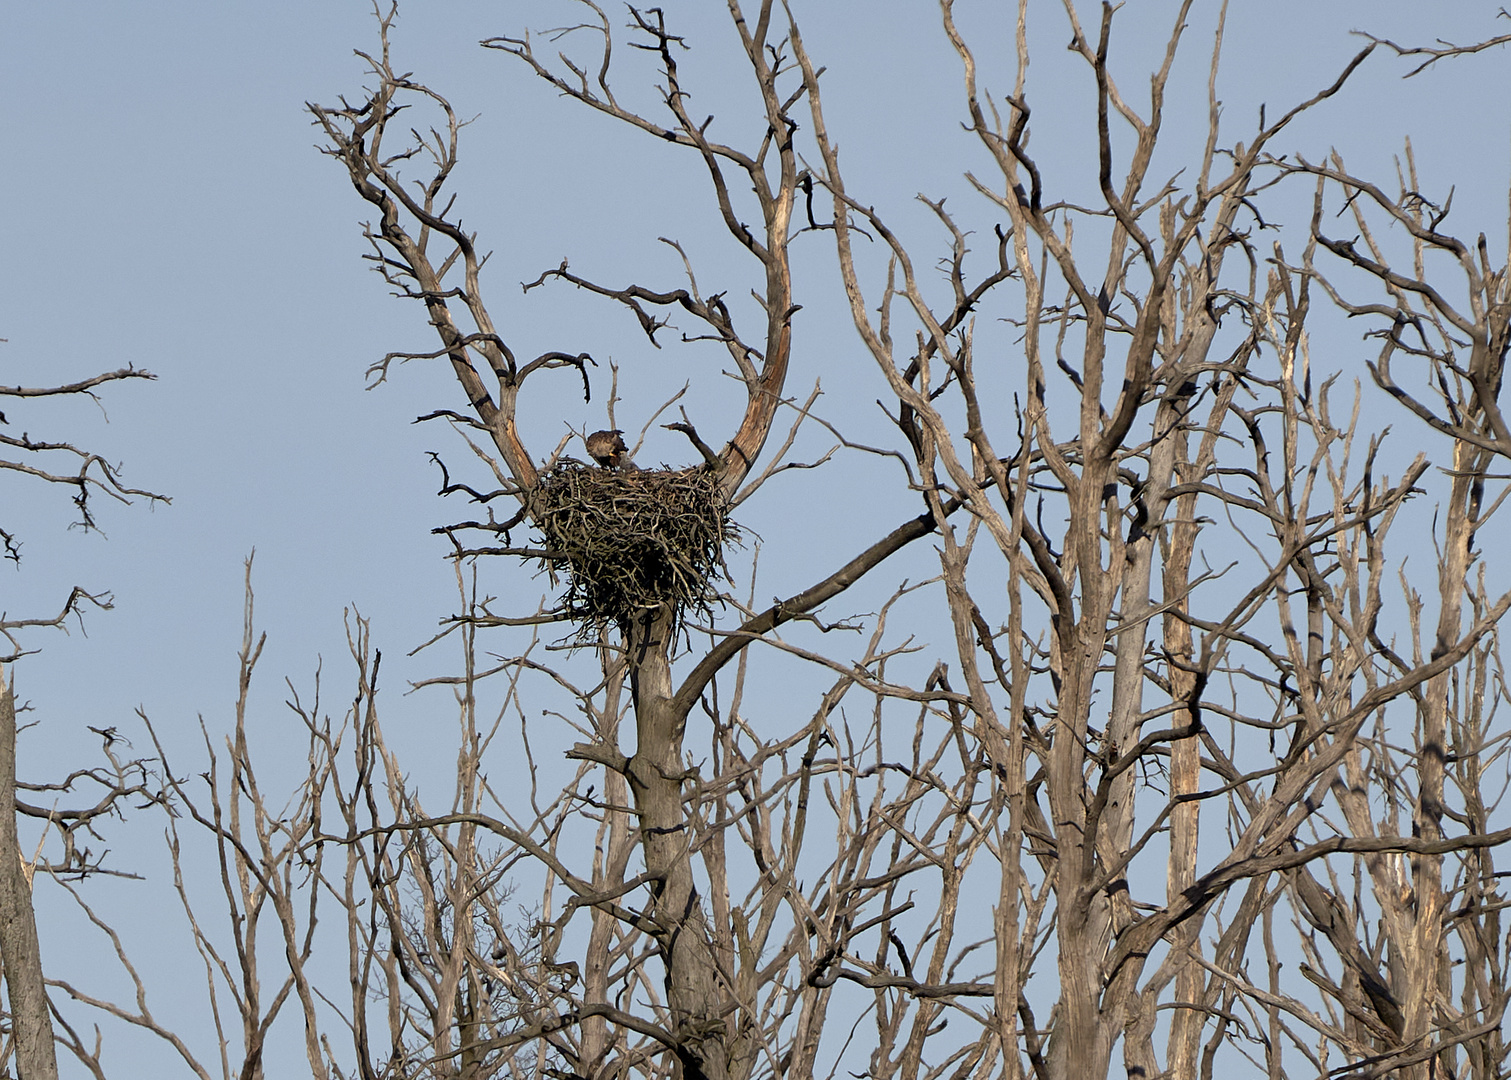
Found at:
[412, 222]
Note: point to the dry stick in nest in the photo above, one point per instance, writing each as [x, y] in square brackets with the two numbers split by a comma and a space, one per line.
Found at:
[633, 541]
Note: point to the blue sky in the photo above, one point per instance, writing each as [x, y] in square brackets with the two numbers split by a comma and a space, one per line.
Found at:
[165, 207]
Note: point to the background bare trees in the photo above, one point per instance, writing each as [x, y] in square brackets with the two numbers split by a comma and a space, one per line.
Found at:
[90, 477]
[1168, 737]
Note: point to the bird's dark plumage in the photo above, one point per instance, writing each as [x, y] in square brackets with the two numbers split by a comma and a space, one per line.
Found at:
[607, 448]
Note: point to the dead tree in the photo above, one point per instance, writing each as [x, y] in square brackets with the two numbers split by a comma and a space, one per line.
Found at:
[1181, 739]
[1120, 692]
[1103, 671]
[422, 249]
[89, 476]
[1413, 1014]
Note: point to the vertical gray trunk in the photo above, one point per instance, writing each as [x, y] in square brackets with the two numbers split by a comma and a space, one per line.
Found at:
[19, 951]
[655, 774]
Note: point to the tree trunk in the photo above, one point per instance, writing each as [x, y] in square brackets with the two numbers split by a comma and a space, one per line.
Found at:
[655, 774]
[19, 951]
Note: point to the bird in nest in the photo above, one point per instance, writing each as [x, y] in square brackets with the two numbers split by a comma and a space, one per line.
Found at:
[607, 448]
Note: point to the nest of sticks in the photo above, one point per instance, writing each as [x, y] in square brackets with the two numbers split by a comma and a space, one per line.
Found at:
[633, 541]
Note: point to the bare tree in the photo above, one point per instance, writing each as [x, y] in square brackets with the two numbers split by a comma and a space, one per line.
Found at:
[1116, 689]
[1200, 769]
[90, 476]
[1295, 642]
[413, 221]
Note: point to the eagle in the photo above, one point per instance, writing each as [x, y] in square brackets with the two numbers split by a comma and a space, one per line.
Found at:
[607, 448]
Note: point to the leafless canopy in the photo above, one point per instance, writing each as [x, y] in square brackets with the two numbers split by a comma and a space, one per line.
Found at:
[1198, 767]
[101, 792]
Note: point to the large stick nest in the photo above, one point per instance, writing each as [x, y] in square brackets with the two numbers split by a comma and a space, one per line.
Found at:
[633, 541]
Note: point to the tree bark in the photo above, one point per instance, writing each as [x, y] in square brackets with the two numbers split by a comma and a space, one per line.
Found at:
[656, 773]
[19, 951]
